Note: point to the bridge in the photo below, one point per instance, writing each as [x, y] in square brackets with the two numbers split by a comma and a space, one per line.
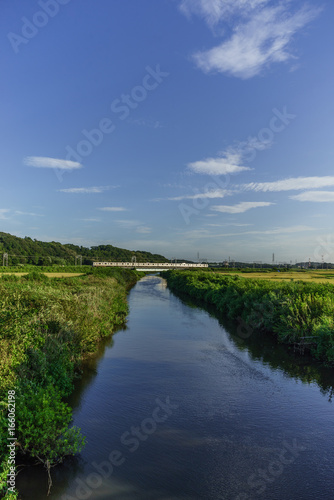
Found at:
[151, 266]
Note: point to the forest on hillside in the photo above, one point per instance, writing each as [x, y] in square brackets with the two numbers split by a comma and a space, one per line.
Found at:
[31, 251]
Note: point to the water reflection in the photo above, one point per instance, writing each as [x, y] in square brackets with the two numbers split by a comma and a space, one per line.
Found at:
[263, 347]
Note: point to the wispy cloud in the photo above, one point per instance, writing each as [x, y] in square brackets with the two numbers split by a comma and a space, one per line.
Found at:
[91, 219]
[113, 209]
[134, 225]
[215, 193]
[278, 230]
[85, 190]
[213, 11]
[293, 183]
[229, 224]
[284, 230]
[127, 223]
[317, 196]
[196, 233]
[261, 33]
[228, 163]
[240, 207]
[3, 212]
[45, 162]
[18, 212]
[143, 230]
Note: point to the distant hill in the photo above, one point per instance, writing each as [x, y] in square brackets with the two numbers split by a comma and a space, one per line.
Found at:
[31, 251]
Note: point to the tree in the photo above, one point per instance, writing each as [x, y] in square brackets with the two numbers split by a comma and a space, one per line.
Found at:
[42, 426]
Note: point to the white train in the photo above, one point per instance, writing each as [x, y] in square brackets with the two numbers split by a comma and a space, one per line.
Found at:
[148, 264]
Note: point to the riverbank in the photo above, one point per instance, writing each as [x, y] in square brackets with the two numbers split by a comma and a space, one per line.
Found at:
[299, 314]
[48, 326]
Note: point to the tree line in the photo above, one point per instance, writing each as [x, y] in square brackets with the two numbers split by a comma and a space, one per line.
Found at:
[40, 253]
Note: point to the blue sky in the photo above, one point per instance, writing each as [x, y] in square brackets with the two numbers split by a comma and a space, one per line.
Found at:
[173, 126]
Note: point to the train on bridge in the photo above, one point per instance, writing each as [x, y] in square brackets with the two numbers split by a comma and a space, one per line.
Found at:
[155, 265]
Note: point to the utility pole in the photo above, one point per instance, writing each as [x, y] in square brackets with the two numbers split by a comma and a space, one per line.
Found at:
[78, 258]
[5, 259]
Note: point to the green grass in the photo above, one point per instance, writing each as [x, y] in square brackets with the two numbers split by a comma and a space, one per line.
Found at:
[48, 326]
[309, 276]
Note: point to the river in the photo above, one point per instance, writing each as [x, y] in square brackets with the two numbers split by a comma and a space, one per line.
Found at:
[174, 407]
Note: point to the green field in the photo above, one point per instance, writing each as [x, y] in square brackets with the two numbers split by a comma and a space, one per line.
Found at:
[309, 276]
[49, 275]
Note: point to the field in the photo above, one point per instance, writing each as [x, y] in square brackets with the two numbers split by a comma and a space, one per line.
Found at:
[309, 276]
[49, 275]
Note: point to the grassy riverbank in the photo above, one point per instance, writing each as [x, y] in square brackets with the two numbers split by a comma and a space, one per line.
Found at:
[48, 326]
[289, 310]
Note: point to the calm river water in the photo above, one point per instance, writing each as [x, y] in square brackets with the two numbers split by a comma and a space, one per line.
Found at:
[176, 408]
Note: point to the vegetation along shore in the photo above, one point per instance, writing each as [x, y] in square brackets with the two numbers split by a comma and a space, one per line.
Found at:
[48, 326]
[297, 313]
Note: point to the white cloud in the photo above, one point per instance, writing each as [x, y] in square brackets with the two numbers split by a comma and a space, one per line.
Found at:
[229, 224]
[229, 163]
[284, 230]
[215, 193]
[143, 230]
[240, 207]
[128, 224]
[18, 212]
[214, 10]
[113, 209]
[45, 162]
[204, 233]
[261, 33]
[255, 44]
[3, 212]
[197, 233]
[293, 183]
[134, 225]
[317, 196]
[278, 230]
[93, 189]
